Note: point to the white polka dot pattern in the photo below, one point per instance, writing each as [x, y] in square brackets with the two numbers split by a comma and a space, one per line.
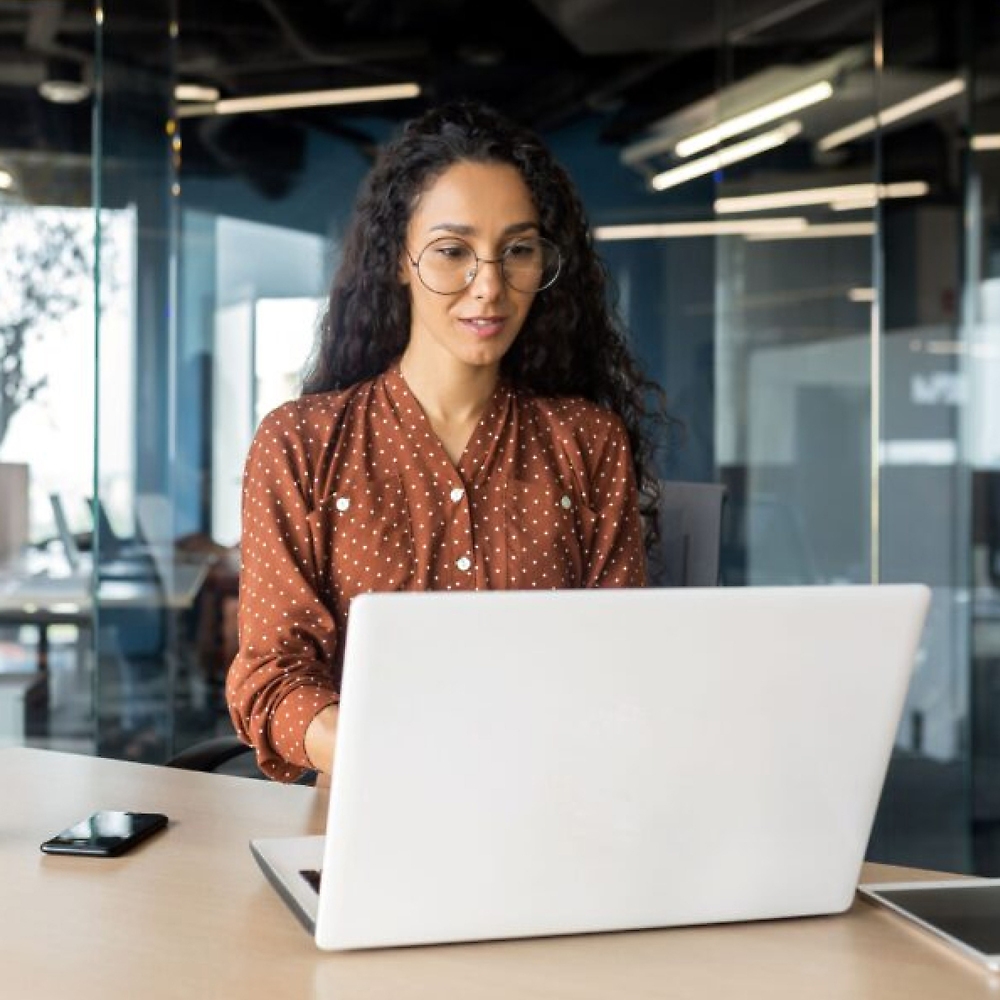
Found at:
[350, 492]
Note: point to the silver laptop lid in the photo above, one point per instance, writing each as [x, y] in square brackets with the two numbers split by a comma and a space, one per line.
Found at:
[66, 536]
[515, 763]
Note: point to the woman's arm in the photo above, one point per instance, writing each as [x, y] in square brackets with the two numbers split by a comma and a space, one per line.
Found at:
[617, 556]
[281, 679]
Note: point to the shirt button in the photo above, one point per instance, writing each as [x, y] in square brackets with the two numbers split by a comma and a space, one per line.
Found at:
[464, 564]
[566, 503]
[343, 503]
[457, 493]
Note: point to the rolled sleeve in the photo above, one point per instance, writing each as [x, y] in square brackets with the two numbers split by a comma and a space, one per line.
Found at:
[282, 676]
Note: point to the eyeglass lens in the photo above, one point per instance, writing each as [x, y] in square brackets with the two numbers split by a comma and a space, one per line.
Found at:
[448, 265]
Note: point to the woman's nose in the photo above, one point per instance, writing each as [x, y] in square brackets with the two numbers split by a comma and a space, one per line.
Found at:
[488, 282]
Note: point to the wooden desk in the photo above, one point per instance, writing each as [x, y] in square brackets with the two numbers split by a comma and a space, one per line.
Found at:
[189, 914]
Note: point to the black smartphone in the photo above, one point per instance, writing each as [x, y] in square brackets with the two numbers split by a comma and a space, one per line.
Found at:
[105, 834]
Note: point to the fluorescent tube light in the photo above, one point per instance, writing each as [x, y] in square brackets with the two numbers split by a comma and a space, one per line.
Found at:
[825, 231]
[749, 120]
[196, 92]
[974, 350]
[986, 141]
[894, 113]
[711, 227]
[723, 157]
[302, 99]
[861, 294]
[821, 196]
[917, 452]
[853, 204]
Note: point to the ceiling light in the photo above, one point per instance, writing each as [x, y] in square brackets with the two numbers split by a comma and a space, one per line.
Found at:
[861, 294]
[302, 99]
[841, 193]
[749, 120]
[195, 92]
[828, 230]
[742, 106]
[711, 227]
[63, 83]
[63, 91]
[894, 113]
[6, 180]
[986, 141]
[853, 204]
[724, 157]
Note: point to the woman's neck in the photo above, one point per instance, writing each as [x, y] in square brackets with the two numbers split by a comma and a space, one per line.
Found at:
[452, 396]
[449, 394]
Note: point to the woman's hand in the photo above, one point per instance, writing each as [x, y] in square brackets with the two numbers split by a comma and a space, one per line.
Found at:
[321, 739]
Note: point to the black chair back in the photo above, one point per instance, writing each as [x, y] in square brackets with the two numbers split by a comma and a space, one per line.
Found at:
[690, 521]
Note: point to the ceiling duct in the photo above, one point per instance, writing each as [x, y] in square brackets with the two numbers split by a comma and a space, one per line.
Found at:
[608, 27]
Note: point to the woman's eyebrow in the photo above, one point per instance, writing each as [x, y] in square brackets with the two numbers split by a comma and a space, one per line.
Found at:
[460, 229]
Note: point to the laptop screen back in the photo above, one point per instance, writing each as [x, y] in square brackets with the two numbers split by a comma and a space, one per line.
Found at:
[515, 763]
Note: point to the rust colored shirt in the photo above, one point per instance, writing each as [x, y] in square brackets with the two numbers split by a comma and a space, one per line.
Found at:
[348, 492]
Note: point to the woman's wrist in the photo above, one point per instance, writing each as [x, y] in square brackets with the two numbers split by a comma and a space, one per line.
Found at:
[321, 737]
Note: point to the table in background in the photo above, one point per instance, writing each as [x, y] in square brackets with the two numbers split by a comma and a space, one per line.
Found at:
[40, 598]
[43, 598]
[189, 914]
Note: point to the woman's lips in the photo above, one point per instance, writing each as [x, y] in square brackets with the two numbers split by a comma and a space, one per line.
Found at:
[484, 326]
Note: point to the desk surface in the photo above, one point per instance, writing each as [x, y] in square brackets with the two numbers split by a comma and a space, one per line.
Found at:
[189, 914]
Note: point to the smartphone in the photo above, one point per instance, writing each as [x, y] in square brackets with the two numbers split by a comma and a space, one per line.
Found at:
[105, 834]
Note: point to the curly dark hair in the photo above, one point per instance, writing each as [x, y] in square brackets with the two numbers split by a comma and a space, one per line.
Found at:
[571, 343]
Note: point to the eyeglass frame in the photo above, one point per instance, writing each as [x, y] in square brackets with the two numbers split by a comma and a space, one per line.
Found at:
[484, 260]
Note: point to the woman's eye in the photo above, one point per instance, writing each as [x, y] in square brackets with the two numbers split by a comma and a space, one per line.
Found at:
[521, 250]
[454, 253]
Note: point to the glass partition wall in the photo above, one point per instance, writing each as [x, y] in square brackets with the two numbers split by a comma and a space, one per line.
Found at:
[237, 219]
[797, 204]
[47, 372]
[839, 402]
[975, 356]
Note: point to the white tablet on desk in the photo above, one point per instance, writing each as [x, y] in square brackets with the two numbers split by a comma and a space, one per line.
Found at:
[966, 914]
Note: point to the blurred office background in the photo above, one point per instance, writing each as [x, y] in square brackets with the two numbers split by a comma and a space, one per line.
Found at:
[798, 201]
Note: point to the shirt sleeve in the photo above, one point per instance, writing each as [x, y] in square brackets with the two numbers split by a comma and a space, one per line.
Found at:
[281, 677]
[617, 556]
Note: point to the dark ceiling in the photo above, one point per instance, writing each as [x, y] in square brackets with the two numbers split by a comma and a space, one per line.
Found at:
[547, 61]
[550, 63]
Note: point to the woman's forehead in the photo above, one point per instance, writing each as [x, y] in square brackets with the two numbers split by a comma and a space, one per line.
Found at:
[476, 197]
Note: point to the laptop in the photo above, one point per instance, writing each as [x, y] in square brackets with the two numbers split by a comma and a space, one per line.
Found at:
[516, 764]
[71, 547]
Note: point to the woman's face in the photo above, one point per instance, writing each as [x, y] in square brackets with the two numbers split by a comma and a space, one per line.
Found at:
[488, 207]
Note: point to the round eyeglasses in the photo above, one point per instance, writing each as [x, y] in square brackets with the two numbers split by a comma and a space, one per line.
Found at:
[448, 265]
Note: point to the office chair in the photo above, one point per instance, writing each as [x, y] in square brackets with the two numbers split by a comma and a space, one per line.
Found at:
[225, 755]
[209, 754]
[690, 521]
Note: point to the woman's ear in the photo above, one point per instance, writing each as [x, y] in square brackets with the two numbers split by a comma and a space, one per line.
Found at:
[404, 269]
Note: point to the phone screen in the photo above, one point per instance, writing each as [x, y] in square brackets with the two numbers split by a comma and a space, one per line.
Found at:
[106, 833]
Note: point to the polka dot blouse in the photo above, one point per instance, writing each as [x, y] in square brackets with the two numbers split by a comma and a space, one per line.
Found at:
[349, 492]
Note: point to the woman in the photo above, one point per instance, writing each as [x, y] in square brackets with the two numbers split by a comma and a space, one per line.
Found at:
[471, 421]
